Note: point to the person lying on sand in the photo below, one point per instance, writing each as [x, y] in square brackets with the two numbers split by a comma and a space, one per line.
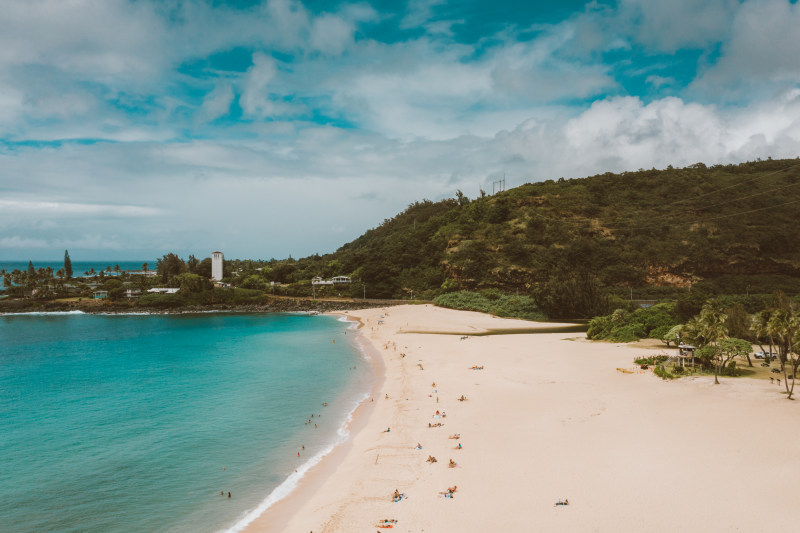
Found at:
[462, 399]
[431, 459]
[559, 502]
[450, 491]
[436, 425]
[455, 436]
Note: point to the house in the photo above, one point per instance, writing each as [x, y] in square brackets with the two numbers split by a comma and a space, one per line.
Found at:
[100, 295]
[133, 293]
[162, 290]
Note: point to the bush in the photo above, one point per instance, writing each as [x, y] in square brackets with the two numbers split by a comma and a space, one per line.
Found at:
[493, 302]
[660, 332]
[161, 301]
[629, 333]
[599, 327]
[662, 372]
[652, 360]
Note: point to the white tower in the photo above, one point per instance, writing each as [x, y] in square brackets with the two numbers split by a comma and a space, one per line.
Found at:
[216, 266]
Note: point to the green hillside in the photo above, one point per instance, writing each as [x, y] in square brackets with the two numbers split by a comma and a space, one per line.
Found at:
[656, 233]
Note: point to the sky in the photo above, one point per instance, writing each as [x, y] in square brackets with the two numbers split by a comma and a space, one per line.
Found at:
[130, 129]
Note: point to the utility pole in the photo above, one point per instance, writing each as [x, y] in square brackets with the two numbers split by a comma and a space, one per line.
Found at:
[364, 286]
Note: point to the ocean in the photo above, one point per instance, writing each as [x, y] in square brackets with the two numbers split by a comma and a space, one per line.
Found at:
[119, 423]
[79, 267]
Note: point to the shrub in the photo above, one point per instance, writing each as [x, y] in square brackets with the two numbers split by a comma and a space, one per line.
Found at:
[629, 333]
[660, 332]
[162, 301]
[493, 302]
[599, 327]
[662, 372]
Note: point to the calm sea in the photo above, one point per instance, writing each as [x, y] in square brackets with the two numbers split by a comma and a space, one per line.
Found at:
[137, 423]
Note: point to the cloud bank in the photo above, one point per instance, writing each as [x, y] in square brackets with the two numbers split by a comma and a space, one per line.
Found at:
[144, 127]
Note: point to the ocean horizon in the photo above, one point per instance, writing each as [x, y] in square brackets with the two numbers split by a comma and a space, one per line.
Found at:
[119, 423]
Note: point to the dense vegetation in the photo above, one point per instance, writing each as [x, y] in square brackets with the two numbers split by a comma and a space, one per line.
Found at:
[493, 302]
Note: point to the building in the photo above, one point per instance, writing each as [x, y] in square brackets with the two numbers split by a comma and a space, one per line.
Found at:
[216, 265]
[162, 290]
[100, 295]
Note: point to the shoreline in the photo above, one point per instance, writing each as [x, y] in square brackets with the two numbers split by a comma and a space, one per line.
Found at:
[547, 417]
[91, 307]
[280, 511]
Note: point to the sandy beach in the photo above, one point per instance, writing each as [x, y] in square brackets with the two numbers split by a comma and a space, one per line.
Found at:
[548, 418]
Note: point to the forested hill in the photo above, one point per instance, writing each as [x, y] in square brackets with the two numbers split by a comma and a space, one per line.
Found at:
[731, 229]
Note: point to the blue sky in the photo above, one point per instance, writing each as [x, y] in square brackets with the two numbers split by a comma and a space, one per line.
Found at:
[129, 129]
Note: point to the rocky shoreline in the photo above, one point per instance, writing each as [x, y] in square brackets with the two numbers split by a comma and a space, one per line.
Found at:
[282, 305]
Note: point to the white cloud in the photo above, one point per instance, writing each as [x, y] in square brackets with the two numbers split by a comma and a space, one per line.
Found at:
[218, 102]
[668, 26]
[760, 55]
[15, 241]
[255, 95]
[43, 208]
[331, 35]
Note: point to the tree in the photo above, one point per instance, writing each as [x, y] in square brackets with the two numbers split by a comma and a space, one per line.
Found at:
[144, 267]
[67, 264]
[204, 268]
[192, 264]
[188, 282]
[712, 327]
[170, 266]
[673, 335]
[784, 327]
[760, 328]
[724, 351]
[31, 280]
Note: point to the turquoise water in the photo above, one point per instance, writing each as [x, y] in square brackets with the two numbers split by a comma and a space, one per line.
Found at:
[136, 423]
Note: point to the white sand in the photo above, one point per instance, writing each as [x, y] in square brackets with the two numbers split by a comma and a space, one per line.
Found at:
[548, 418]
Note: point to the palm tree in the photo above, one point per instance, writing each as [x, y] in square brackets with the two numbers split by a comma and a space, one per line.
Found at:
[760, 328]
[785, 327]
[712, 324]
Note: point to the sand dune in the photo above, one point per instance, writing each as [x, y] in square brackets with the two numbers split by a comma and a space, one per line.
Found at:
[548, 418]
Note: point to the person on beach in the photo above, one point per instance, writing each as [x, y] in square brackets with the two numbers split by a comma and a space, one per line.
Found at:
[419, 446]
[229, 495]
[452, 464]
[459, 446]
[431, 459]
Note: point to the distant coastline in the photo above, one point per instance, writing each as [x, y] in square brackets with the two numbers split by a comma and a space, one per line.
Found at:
[270, 305]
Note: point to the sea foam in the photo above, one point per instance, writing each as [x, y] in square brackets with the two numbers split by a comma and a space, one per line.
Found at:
[290, 484]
